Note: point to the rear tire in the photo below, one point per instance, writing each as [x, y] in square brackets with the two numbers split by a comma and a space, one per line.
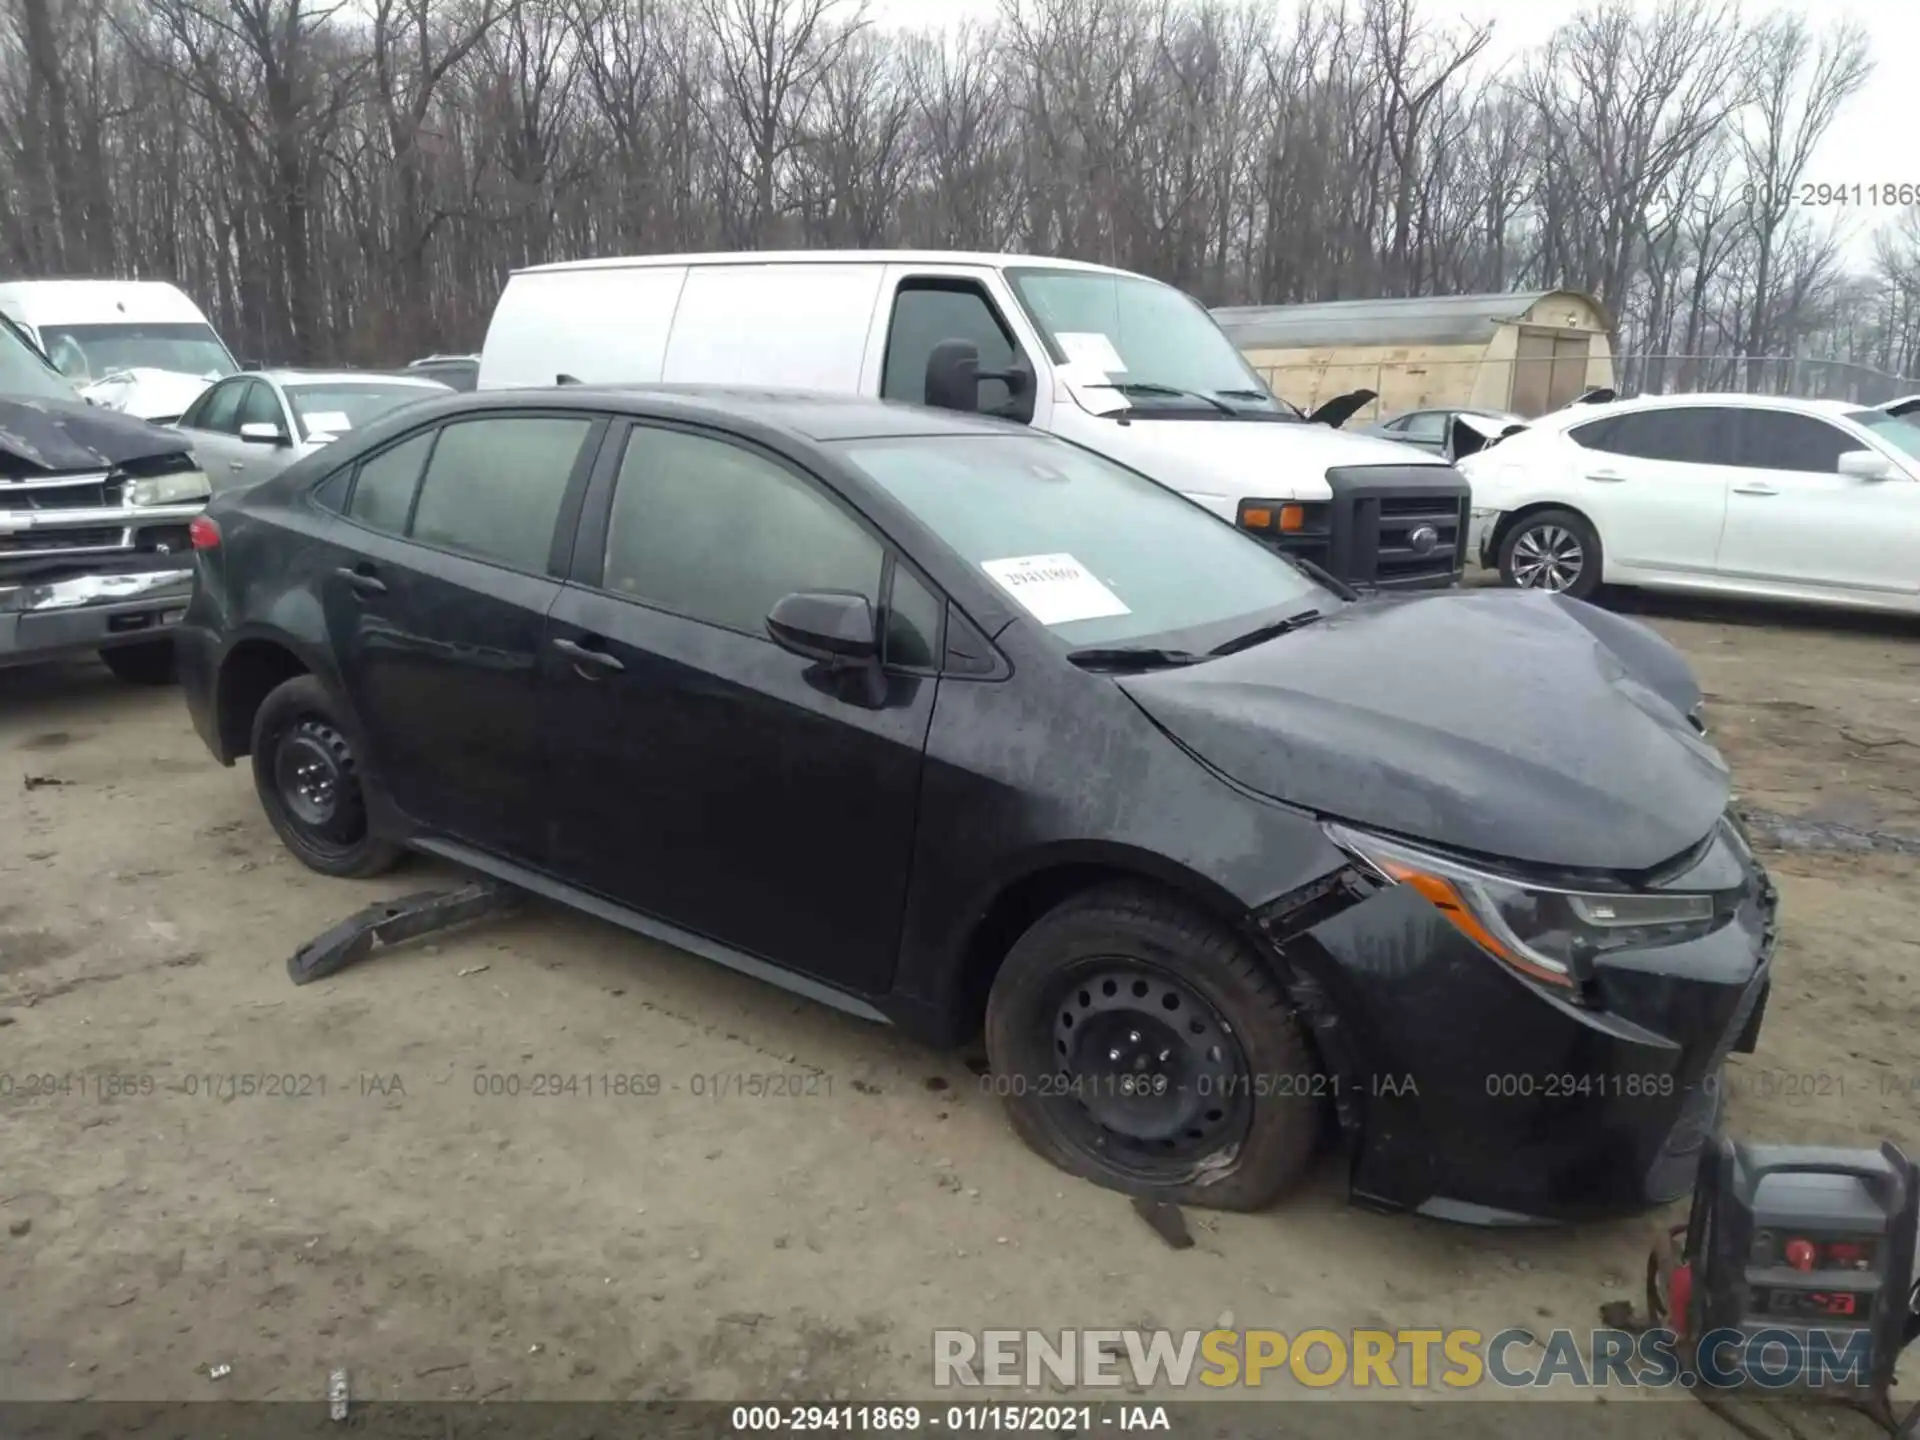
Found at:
[1552, 550]
[307, 775]
[150, 663]
[1143, 1046]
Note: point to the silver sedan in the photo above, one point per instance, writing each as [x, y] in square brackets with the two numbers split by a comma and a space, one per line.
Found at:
[255, 424]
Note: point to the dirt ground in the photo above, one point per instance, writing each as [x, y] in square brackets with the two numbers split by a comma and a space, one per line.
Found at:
[397, 1216]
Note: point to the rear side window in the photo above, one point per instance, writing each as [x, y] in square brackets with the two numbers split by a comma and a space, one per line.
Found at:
[493, 487]
[718, 533]
[383, 491]
[1690, 435]
[1777, 440]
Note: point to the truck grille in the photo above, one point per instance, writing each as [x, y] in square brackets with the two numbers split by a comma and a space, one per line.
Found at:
[85, 539]
[1398, 527]
[61, 492]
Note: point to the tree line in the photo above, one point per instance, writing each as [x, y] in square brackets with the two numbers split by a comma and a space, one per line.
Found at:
[340, 182]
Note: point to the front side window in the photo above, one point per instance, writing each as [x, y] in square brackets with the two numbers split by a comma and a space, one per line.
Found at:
[718, 533]
[493, 487]
[262, 407]
[23, 372]
[1425, 425]
[89, 352]
[927, 312]
[334, 408]
[1098, 554]
[1780, 440]
[1147, 338]
[219, 409]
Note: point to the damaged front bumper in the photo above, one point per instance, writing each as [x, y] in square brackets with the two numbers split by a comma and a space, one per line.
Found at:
[1469, 1093]
[1480, 527]
[42, 618]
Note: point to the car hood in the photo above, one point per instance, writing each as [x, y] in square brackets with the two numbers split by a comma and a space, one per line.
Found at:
[148, 393]
[59, 436]
[1511, 724]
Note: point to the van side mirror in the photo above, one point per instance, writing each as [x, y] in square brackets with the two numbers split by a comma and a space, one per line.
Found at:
[1865, 465]
[825, 625]
[954, 376]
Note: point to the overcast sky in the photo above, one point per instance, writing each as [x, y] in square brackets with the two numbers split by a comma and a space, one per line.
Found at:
[1872, 141]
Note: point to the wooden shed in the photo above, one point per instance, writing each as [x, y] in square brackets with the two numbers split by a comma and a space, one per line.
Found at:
[1529, 352]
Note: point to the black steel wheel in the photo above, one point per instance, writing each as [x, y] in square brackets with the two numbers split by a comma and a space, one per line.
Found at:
[308, 779]
[1142, 1045]
[1552, 550]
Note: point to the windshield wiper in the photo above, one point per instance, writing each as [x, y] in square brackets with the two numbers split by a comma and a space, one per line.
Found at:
[1145, 387]
[1133, 657]
[1266, 632]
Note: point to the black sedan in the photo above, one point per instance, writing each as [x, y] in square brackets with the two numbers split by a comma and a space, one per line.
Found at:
[958, 726]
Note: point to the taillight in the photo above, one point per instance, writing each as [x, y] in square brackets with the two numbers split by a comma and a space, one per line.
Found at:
[203, 532]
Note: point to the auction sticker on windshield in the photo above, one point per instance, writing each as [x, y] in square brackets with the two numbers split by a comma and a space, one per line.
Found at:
[332, 421]
[1090, 347]
[1054, 589]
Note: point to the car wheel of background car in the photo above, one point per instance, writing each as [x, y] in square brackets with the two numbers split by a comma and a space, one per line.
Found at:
[1126, 1032]
[308, 781]
[1553, 550]
[148, 664]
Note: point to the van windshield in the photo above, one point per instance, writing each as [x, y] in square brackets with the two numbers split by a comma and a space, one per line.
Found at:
[1098, 554]
[85, 353]
[1158, 349]
[24, 373]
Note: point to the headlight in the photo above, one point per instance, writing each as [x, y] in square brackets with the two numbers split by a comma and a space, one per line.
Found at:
[178, 488]
[1545, 933]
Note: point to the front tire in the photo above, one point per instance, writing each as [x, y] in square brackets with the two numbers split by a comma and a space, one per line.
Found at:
[1143, 1046]
[308, 779]
[1552, 550]
[150, 663]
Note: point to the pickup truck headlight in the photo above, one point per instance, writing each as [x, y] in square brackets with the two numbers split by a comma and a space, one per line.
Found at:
[180, 488]
[1546, 933]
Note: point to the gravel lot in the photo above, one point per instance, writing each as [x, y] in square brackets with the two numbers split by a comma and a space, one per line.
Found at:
[396, 1216]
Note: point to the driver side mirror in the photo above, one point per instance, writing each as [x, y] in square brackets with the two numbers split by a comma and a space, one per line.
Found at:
[1866, 465]
[262, 433]
[829, 626]
[954, 376]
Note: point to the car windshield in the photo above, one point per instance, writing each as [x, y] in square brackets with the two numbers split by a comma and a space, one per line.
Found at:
[1098, 554]
[24, 373]
[1899, 431]
[335, 407]
[1155, 344]
[85, 353]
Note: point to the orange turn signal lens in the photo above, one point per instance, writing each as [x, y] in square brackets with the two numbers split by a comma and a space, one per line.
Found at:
[1257, 518]
[1292, 517]
[1441, 893]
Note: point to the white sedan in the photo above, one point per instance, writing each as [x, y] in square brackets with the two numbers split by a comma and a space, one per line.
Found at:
[1755, 495]
[254, 424]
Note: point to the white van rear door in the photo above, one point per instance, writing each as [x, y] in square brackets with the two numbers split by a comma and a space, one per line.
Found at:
[604, 326]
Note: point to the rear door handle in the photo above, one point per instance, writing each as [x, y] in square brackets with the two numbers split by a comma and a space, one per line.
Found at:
[1755, 489]
[586, 658]
[1610, 477]
[362, 582]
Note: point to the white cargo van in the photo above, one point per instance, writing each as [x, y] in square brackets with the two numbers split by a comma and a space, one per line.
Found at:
[1115, 362]
[136, 345]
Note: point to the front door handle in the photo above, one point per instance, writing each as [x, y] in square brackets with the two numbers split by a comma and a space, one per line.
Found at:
[362, 582]
[236, 464]
[1755, 489]
[585, 658]
[1610, 477]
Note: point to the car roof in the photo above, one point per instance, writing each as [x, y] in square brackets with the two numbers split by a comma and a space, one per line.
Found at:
[1571, 415]
[99, 302]
[825, 257]
[284, 377]
[807, 414]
